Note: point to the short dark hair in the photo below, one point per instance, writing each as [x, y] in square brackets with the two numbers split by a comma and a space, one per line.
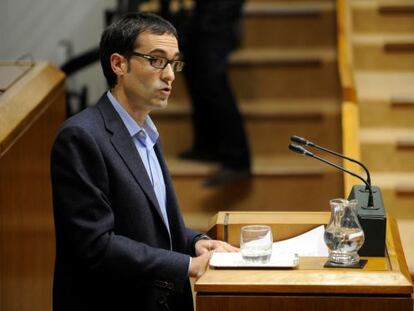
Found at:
[120, 37]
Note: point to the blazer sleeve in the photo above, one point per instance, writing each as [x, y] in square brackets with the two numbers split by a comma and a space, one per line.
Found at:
[84, 218]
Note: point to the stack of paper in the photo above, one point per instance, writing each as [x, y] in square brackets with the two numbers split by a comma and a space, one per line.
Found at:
[310, 243]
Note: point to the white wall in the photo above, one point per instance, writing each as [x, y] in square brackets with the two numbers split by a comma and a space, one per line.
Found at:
[37, 27]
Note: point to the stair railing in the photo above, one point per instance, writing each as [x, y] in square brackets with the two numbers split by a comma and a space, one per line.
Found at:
[350, 108]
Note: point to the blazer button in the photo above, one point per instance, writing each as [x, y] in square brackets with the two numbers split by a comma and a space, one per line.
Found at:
[162, 300]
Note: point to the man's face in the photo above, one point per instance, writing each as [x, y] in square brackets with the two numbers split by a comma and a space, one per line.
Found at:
[146, 87]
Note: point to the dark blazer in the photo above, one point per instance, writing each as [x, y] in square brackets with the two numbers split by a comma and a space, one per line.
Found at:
[113, 250]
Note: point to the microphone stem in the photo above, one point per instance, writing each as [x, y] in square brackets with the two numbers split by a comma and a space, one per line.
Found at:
[368, 183]
[370, 195]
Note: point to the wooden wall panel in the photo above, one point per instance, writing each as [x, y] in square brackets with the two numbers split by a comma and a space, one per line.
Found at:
[296, 303]
[26, 222]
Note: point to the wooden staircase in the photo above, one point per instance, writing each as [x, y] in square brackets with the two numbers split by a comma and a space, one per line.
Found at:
[383, 54]
[286, 80]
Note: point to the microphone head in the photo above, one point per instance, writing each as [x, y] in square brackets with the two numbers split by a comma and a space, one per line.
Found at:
[300, 150]
[298, 140]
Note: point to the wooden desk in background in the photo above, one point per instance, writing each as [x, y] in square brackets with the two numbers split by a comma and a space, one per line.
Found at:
[383, 284]
[32, 107]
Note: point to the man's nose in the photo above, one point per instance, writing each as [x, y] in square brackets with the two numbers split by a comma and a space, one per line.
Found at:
[168, 73]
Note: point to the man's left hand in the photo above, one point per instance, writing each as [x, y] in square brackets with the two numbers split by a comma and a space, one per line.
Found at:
[203, 246]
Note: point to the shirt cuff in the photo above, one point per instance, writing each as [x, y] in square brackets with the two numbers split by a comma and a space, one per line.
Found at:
[189, 266]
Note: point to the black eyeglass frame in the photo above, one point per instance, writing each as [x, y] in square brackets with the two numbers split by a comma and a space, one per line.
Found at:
[176, 65]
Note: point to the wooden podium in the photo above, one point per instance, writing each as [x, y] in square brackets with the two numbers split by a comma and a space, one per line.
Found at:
[383, 284]
[32, 107]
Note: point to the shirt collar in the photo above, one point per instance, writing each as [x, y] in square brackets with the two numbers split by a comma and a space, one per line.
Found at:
[132, 126]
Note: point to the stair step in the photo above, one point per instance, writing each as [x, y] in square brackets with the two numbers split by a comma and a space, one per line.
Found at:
[289, 24]
[252, 5]
[390, 44]
[277, 74]
[267, 108]
[263, 166]
[396, 47]
[400, 9]
[304, 23]
[280, 8]
[386, 98]
[393, 136]
[388, 149]
[286, 74]
[381, 38]
[283, 57]
[398, 192]
[371, 16]
[385, 5]
[396, 112]
[273, 181]
[402, 102]
[318, 121]
[383, 51]
[290, 1]
[398, 181]
[380, 85]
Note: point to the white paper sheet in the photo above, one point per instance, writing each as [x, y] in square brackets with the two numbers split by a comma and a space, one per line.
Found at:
[310, 243]
[235, 260]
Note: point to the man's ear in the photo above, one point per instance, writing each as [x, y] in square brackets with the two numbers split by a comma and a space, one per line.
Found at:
[119, 64]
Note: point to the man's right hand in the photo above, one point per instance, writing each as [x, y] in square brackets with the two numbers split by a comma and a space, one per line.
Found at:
[199, 264]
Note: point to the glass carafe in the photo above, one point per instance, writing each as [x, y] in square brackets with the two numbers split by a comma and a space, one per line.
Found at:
[343, 234]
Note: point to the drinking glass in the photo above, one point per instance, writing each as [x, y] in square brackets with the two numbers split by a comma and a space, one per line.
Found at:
[256, 243]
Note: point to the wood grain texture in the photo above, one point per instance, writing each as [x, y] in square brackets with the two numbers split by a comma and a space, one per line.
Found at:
[350, 143]
[34, 108]
[383, 284]
[26, 101]
[350, 108]
[298, 303]
[345, 61]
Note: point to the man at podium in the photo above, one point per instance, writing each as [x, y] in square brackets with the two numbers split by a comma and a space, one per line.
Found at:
[121, 239]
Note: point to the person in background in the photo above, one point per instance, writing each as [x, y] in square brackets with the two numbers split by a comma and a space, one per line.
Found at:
[121, 243]
[219, 134]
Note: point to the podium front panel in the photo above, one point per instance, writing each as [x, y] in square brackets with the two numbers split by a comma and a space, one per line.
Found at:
[383, 284]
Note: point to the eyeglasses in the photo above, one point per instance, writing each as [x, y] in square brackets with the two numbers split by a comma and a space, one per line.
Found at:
[160, 62]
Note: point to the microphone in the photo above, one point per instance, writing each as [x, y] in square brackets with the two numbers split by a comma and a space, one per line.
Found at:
[371, 216]
[304, 142]
[299, 149]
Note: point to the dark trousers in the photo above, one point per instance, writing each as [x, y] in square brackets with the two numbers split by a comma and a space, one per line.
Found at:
[217, 123]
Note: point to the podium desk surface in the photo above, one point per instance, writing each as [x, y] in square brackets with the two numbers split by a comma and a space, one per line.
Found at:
[381, 275]
[26, 91]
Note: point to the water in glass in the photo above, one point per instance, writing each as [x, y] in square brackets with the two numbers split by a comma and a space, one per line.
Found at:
[256, 243]
[343, 234]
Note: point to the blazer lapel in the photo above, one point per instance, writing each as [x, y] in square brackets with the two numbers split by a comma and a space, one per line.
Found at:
[122, 142]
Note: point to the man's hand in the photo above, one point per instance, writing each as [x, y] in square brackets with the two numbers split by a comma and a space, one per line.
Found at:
[204, 246]
[204, 249]
[199, 265]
